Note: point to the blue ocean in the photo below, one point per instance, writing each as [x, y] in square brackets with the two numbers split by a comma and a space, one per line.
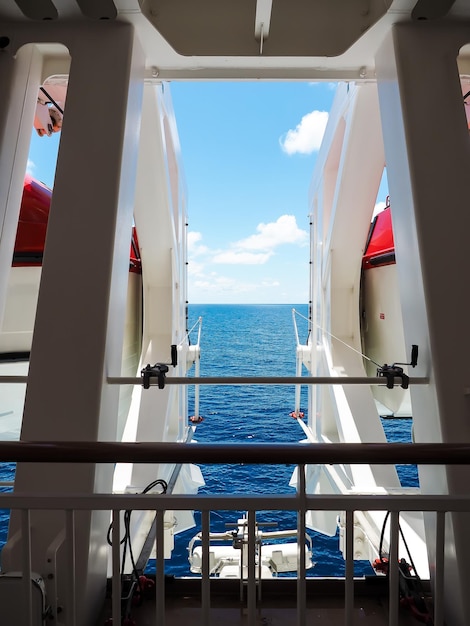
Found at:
[252, 340]
[259, 340]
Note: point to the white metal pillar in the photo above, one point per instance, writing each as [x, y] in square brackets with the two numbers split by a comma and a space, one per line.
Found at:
[79, 325]
[156, 222]
[427, 151]
[20, 78]
[354, 179]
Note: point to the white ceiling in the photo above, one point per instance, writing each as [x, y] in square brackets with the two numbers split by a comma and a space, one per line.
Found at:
[235, 39]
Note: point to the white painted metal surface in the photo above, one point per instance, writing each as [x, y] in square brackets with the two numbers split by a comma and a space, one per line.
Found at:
[382, 330]
[90, 260]
[428, 296]
[228, 552]
[341, 213]
[410, 49]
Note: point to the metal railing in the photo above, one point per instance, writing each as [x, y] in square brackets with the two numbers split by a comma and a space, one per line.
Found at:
[262, 454]
[243, 380]
[301, 502]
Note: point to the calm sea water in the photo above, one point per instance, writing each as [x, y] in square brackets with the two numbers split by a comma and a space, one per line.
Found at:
[257, 340]
[252, 340]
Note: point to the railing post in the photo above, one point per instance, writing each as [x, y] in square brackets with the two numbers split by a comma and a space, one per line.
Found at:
[160, 570]
[205, 579]
[251, 585]
[116, 557]
[26, 562]
[439, 573]
[393, 569]
[242, 563]
[70, 544]
[301, 530]
[349, 574]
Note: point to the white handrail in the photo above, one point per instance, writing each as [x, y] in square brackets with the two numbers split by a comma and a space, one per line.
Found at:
[205, 503]
[246, 380]
[265, 380]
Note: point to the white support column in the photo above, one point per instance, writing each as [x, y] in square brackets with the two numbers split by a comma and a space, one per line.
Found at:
[155, 223]
[79, 326]
[345, 193]
[427, 150]
[20, 77]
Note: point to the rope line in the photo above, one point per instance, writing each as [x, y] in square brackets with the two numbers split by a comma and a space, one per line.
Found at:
[198, 321]
[337, 338]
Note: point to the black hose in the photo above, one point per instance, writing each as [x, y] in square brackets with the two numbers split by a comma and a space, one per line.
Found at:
[60, 109]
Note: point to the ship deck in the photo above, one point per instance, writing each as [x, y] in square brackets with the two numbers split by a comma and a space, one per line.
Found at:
[324, 604]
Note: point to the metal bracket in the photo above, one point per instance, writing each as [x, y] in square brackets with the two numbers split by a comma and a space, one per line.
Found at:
[390, 372]
[158, 370]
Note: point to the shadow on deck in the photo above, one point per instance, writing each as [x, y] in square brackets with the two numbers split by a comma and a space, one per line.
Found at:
[277, 606]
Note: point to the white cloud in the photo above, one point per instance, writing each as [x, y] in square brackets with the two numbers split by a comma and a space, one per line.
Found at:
[283, 230]
[214, 287]
[193, 238]
[194, 248]
[307, 135]
[214, 283]
[239, 257]
[30, 167]
[208, 285]
[256, 249]
[195, 268]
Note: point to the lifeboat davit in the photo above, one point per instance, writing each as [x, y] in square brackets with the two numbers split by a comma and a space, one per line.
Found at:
[23, 285]
[383, 338]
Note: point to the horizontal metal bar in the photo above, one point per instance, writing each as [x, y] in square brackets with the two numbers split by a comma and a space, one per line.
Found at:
[234, 502]
[245, 380]
[304, 453]
[264, 380]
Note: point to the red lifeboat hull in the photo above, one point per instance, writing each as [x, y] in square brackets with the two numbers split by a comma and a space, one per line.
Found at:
[380, 246]
[32, 227]
[32, 223]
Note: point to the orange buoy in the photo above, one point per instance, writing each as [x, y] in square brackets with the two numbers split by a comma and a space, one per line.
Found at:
[196, 419]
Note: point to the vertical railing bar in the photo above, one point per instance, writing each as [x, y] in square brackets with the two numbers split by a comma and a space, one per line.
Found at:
[205, 582]
[439, 573]
[26, 562]
[301, 531]
[71, 580]
[393, 569]
[259, 544]
[242, 561]
[160, 570]
[251, 584]
[349, 574]
[116, 561]
[250, 554]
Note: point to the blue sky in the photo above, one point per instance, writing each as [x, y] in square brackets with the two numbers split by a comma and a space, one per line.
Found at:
[248, 153]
